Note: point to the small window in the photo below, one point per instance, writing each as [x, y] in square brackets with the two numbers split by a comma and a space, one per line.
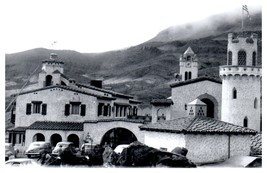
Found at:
[234, 94]
[254, 60]
[230, 54]
[242, 57]
[255, 103]
[245, 122]
[185, 106]
[75, 108]
[189, 75]
[185, 76]
[100, 109]
[36, 107]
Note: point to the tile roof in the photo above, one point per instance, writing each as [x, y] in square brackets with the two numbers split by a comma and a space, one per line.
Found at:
[17, 129]
[52, 125]
[139, 120]
[70, 89]
[104, 90]
[199, 124]
[199, 79]
[189, 51]
[256, 144]
[162, 102]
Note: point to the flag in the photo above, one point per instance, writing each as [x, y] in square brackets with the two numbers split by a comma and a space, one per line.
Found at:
[245, 8]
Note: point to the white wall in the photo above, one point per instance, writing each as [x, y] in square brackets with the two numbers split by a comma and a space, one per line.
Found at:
[164, 140]
[182, 95]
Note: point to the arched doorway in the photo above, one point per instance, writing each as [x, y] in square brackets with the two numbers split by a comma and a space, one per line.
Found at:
[117, 136]
[55, 138]
[38, 137]
[210, 107]
[48, 80]
[75, 139]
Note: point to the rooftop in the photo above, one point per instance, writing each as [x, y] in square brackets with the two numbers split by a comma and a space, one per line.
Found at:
[199, 79]
[52, 125]
[162, 102]
[198, 124]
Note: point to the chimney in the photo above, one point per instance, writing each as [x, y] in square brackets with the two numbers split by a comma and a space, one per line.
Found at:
[96, 83]
[196, 108]
[53, 56]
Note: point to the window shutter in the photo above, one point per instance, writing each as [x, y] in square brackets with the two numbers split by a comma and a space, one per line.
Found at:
[67, 109]
[44, 108]
[28, 108]
[83, 108]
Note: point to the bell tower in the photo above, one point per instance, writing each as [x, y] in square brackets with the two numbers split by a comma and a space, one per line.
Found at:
[241, 82]
[188, 65]
[52, 69]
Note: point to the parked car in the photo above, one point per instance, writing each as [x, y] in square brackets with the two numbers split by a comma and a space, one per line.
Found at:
[10, 151]
[36, 148]
[119, 148]
[21, 162]
[61, 146]
[87, 148]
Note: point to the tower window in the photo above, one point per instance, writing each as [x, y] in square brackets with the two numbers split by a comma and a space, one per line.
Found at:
[48, 80]
[189, 75]
[230, 54]
[254, 59]
[242, 57]
[234, 93]
[255, 103]
[185, 75]
[188, 58]
[245, 122]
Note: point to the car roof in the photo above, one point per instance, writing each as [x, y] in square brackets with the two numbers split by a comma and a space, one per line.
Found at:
[19, 160]
[65, 143]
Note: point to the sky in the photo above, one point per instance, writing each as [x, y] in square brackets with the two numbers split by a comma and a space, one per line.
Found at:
[91, 26]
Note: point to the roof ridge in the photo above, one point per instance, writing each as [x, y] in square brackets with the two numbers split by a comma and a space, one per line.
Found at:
[191, 123]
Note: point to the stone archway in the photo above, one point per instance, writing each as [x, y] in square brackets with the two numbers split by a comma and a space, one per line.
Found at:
[54, 139]
[212, 105]
[75, 139]
[117, 136]
[38, 137]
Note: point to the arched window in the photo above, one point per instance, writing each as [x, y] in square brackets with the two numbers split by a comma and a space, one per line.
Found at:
[245, 122]
[234, 93]
[185, 75]
[255, 103]
[48, 80]
[230, 54]
[242, 56]
[189, 75]
[254, 63]
[188, 58]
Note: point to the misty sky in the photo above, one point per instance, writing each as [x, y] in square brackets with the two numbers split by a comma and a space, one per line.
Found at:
[102, 25]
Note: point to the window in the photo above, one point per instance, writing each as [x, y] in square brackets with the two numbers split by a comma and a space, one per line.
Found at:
[75, 108]
[188, 58]
[44, 109]
[185, 106]
[245, 122]
[230, 54]
[36, 107]
[83, 110]
[242, 57]
[185, 76]
[189, 75]
[100, 109]
[48, 80]
[28, 108]
[254, 59]
[234, 93]
[255, 103]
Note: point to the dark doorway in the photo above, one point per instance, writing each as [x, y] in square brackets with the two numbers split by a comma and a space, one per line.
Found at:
[55, 138]
[38, 137]
[75, 139]
[117, 136]
[210, 107]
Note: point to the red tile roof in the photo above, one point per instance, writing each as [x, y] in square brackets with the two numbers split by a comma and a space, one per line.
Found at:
[51, 125]
[199, 124]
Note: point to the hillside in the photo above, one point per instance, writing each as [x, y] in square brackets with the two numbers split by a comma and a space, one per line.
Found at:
[143, 70]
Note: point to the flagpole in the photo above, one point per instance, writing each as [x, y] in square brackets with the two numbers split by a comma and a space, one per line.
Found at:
[242, 27]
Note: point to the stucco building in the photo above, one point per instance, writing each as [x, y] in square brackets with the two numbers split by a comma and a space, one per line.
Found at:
[60, 109]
